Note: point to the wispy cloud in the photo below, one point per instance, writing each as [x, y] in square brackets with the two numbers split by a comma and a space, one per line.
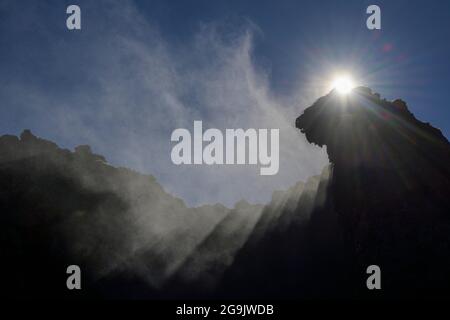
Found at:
[133, 87]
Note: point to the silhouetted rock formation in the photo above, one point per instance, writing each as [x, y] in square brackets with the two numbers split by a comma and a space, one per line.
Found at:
[390, 187]
[384, 200]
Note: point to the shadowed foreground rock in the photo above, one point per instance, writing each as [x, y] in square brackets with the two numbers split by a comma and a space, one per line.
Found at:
[386, 202]
[59, 208]
[390, 188]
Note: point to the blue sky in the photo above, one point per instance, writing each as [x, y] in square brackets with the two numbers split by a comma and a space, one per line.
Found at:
[139, 69]
[407, 59]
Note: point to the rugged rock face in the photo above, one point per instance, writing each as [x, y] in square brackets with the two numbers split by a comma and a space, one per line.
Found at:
[384, 200]
[59, 208]
[390, 187]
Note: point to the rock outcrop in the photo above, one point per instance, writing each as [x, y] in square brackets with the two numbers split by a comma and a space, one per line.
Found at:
[385, 201]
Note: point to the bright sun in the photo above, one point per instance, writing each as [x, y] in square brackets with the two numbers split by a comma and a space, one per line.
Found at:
[343, 84]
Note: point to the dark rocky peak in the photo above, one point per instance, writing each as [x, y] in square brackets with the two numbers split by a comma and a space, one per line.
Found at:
[362, 129]
[28, 145]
